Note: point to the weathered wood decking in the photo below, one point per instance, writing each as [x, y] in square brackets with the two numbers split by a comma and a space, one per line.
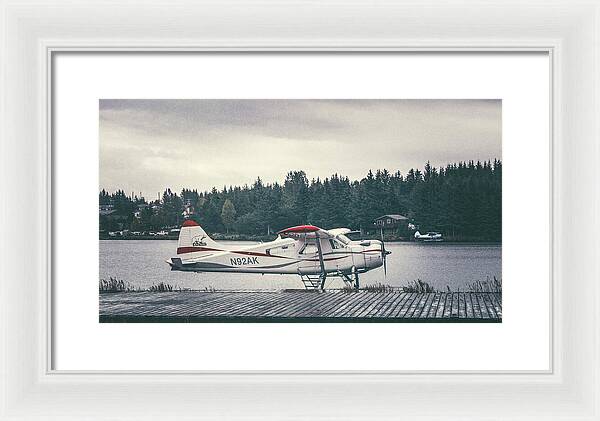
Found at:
[300, 306]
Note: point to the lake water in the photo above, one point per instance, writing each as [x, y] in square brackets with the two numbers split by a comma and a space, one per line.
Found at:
[143, 263]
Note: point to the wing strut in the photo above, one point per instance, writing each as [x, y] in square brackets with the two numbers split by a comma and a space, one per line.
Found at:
[355, 272]
[323, 274]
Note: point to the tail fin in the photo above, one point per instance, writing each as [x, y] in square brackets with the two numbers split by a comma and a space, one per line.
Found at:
[193, 239]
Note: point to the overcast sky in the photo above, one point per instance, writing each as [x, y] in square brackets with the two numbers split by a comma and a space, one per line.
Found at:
[148, 145]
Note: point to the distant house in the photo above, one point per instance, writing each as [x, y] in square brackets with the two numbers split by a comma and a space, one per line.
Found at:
[391, 221]
[111, 220]
[107, 212]
[106, 209]
[392, 225]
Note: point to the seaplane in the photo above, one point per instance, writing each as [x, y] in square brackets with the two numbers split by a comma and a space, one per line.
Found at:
[430, 237]
[311, 252]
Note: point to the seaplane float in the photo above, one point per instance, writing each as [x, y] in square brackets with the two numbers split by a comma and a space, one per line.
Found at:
[306, 250]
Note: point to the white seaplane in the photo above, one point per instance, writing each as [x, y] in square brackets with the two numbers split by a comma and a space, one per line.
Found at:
[305, 250]
[430, 237]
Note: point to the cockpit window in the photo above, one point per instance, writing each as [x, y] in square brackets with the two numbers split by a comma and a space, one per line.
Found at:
[343, 238]
[336, 244]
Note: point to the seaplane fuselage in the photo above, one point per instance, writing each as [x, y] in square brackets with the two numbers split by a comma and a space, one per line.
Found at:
[303, 250]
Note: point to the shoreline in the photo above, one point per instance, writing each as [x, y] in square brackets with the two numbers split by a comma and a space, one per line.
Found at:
[266, 239]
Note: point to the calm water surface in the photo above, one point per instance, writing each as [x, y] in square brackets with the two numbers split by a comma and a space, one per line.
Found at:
[143, 263]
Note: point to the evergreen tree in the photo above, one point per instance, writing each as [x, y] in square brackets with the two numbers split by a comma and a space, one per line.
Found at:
[462, 200]
[228, 214]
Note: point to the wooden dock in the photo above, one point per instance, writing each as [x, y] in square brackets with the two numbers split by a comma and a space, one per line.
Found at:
[300, 306]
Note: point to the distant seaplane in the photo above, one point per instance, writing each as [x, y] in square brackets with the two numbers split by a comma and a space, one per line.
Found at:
[306, 250]
[430, 237]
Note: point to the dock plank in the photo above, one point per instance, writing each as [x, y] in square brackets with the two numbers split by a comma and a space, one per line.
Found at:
[417, 305]
[497, 301]
[316, 300]
[482, 306]
[331, 301]
[434, 305]
[462, 307]
[284, 304]
[371, 304]
[490, 306]
[392, 304]
[404, 309]
[447, 306]
[475, 303]
[454, 312]
[339, 298]
[363, 303]
[378, 309]
[428, 304]
[351, 300]
[469, 306]
[306, 306]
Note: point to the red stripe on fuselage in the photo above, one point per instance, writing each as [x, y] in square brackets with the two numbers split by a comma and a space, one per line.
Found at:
[183, 250]
[325, 259]
[254, 253]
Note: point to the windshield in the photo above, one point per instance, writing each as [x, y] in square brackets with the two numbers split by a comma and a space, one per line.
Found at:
[343, 238]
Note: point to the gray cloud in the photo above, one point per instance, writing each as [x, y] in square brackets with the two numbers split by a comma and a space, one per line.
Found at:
[147, 145]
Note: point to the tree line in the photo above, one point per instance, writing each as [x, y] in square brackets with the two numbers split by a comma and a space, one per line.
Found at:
[462, 200]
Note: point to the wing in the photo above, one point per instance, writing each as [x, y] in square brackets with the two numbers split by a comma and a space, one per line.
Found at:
[304, 231]
[342, 231]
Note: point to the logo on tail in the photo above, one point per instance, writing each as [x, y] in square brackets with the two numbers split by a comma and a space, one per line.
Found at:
[198, 241]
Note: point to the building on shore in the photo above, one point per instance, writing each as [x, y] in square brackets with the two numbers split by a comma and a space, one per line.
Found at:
[394, 227]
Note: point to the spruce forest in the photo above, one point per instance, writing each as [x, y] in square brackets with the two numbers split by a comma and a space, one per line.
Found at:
[463, 201]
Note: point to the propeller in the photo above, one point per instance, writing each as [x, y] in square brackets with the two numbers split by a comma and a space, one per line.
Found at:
[384, 254]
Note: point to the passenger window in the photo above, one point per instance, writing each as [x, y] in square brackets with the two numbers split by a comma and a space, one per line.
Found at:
[310, 247]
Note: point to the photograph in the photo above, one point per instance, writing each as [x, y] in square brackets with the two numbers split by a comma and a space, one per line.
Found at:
[300, 210]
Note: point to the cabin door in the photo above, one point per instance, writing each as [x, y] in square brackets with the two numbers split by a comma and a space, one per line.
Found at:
[309, 255]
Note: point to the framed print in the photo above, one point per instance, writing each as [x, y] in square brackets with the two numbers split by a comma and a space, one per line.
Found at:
[215, 216]
[209, 274]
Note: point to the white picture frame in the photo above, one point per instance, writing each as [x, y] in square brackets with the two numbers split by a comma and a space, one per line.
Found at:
[31, 32]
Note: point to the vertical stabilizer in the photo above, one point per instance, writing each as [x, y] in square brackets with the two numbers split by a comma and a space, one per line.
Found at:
[193, 239]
